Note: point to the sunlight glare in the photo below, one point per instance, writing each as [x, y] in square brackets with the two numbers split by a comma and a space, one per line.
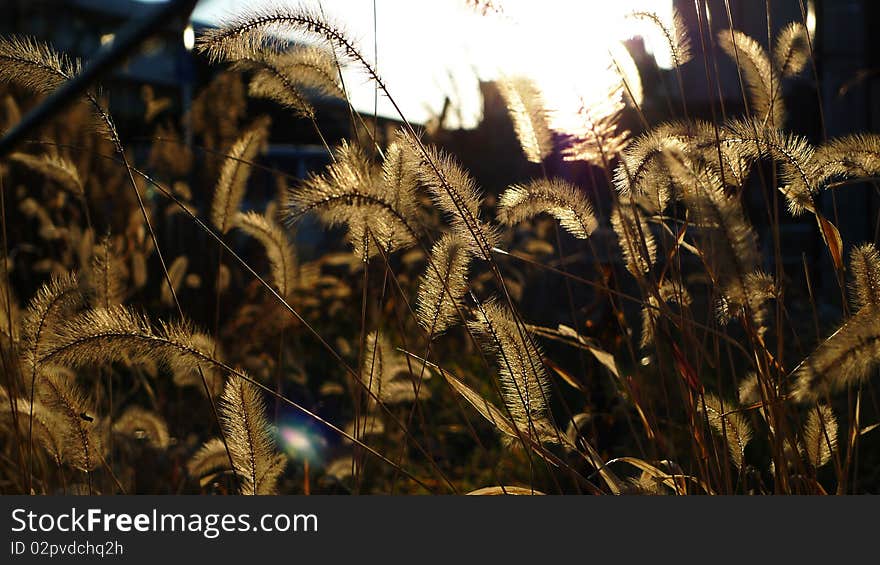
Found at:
[811, 18]
[428, 51]
[574, 53]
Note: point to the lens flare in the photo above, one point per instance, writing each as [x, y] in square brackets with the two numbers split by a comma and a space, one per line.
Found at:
[300, 441]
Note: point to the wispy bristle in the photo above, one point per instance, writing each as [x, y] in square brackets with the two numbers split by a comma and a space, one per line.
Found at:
[486, 409]
[9, 323]
[729, 243]
[668, 292]
[176, 274]
[101, 336]
[56, 300]
[749, 389]
[55, 167]
[820, 435]
[794, 154]
[33, 65]
[315, 69]
[400, 179]
[526, 109]
[386, 374]
[250, 44]
[271, 85]
[279, 249]
[635, 239]
[641, 172]
[594, 135]
[244, 34]
[210, 459]
[143, 425]
[556, 197]
[851, 354]
[43, 425]
[750, 297]
[850, 156]
[83, 445]
[105, 275]
[230, 188]
[444, 285]
[729, 425]
[764, 82]
[374, 205]
[792, 49]
[626, 68]
[524, 383]
[674, 34]
[865, 264]
[243, 417]
[289, 77]
[455, 193]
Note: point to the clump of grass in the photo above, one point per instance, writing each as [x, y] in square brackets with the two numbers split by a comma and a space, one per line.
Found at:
[104, 366]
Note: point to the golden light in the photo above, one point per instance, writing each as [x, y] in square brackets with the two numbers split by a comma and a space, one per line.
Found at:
[428, 51]
[573, 51]
[811, 19]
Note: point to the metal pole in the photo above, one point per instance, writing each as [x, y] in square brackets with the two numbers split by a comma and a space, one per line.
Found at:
[110, 55]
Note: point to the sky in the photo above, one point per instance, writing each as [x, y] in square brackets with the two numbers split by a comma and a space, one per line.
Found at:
[428, 50]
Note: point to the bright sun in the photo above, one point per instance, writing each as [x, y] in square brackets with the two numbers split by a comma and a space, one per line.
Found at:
[574, 52]
[427, 51]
